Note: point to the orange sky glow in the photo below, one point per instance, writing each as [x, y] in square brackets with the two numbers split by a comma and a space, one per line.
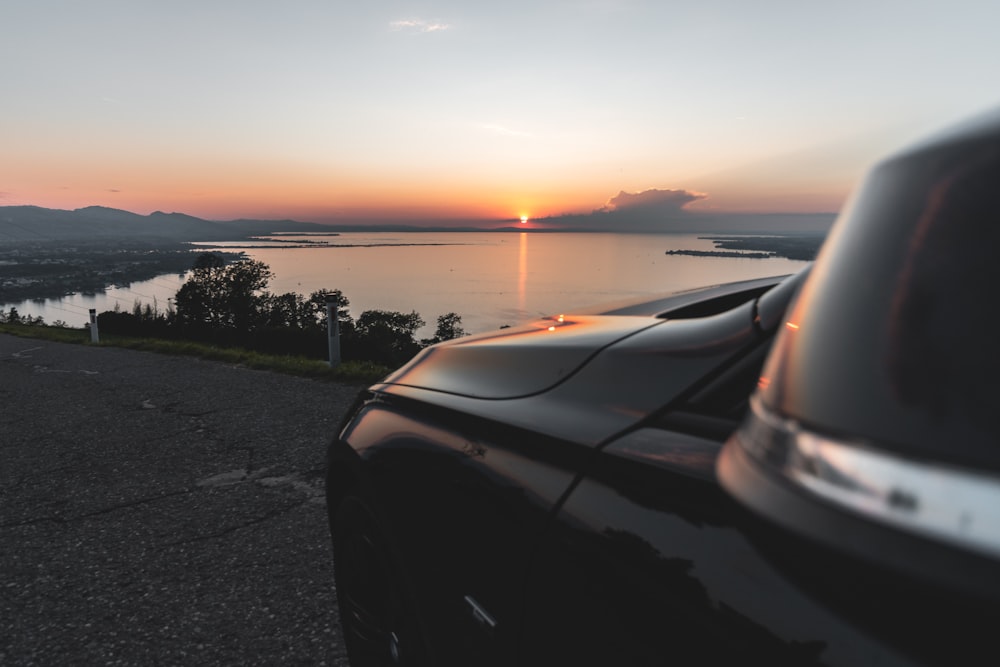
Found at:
[335, 113]
[215, 189]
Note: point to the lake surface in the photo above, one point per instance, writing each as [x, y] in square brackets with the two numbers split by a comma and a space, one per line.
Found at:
[491, 279]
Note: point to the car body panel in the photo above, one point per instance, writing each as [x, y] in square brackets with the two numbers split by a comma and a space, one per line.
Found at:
[651, 554]
[518, 362]
[706, 300]
[584, 524]
[616, 388]
[534, 357]
[466, 483]
[484, 489]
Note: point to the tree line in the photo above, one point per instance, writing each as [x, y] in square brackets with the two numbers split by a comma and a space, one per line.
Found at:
[228, 304]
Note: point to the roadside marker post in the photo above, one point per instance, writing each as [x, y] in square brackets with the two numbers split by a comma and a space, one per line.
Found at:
[333, 330]
[94, 336]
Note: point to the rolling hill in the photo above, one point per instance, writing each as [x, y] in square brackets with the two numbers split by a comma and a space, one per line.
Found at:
[32, 224]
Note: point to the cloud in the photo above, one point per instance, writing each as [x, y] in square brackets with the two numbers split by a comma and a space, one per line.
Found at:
[113, 190]
[664, 211]
[650, 211]
[651, 202]
[419, 25]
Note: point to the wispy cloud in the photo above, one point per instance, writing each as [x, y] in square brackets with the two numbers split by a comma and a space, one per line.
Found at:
[113, 190]
[419, 25]
[505, 131]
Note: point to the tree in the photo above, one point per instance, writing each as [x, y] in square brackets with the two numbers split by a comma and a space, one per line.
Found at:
[319, 298]
[449, 326]
[224, 296]
[13, 317]
[295, 311]
[387, 336]
[288, 310]
[229, 304]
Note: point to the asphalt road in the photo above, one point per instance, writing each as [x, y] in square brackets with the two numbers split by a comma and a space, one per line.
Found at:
[162, 510]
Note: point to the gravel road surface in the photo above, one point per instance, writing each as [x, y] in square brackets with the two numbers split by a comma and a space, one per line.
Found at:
[162, 510]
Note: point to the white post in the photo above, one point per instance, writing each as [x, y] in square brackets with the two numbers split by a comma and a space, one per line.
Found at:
[94, 337]
[333, 331]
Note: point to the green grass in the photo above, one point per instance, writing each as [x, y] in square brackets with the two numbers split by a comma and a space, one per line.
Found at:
[360, 372]
[58, 334]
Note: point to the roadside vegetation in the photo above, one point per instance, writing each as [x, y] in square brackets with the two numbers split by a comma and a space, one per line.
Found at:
[362, 372]
[225, 312]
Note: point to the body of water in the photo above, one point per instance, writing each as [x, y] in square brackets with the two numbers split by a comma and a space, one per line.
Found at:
[491, 279]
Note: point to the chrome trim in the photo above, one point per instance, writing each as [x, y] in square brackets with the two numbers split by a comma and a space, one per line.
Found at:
[394, 652]
[949, 504]
[481, 616]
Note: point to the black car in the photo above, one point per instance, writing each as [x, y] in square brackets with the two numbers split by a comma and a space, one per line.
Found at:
[796, 471]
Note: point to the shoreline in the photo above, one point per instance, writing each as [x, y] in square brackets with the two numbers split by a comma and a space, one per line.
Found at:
[43, 271]
[802, 247]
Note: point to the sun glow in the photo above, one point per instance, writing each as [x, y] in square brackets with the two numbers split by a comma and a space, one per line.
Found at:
[524, 219]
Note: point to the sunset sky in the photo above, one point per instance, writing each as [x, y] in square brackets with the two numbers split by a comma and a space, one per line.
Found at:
[331, 111]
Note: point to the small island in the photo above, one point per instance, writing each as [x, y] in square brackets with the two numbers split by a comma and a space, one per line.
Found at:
[803, 247]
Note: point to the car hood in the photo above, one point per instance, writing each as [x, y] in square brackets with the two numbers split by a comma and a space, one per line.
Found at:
[518, 361]
[530, 359]
[584, 378]
[582, 381]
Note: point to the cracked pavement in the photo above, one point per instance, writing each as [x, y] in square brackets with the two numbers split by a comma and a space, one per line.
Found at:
[162, 510]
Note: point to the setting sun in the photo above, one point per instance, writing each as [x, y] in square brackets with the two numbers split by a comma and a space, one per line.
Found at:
[524, 219]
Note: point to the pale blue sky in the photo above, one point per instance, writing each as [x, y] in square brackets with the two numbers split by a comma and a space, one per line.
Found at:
[331, 110]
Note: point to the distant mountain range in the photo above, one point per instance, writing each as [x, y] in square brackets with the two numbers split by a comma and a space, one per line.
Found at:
[32, 224]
